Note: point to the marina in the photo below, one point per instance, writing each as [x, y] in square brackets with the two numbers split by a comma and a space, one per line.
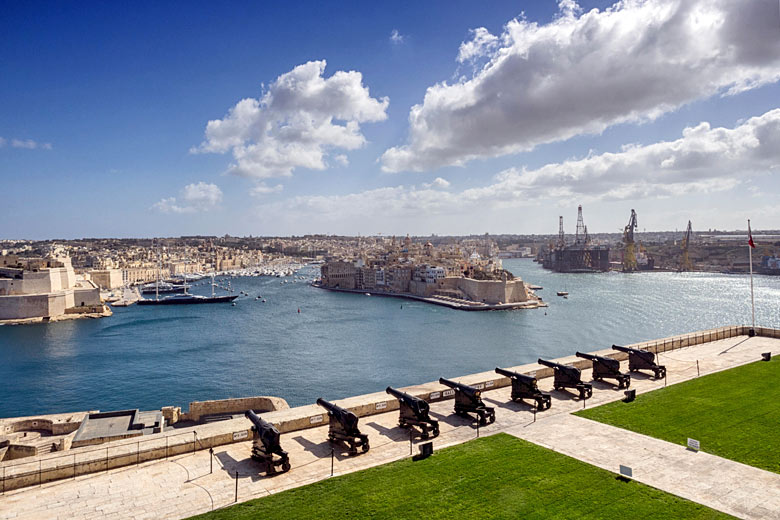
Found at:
[195, 352]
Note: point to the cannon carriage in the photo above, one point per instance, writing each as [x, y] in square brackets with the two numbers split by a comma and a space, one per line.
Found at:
[567, 376]
[526, 387]
[607, 368]
[265, 445]
[415, 412]
[469, 400]
[343, 427]
[642, 360]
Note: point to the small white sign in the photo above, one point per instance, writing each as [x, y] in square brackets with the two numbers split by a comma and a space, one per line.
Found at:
[489, 384]
[626, 471]
[694, 444]
[434, 395]
[381, 406]
[479, 386]
[237, 436]
[316, 419]
[448, 393]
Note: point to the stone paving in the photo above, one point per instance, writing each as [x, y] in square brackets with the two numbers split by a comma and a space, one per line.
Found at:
[185, 485]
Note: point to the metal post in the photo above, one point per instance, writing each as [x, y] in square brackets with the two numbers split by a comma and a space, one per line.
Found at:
[74, 466]
[138, 453]
[477, 429]
[194, 440]
[332, 460]
[166, 448]
[410, 441]
[665, 371]
[39, 473]
[106, 459]
[236, 486]
[211, 460]
[535, 407]
[697, 368]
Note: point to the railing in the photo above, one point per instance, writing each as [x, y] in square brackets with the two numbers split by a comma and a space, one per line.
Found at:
[82, 462]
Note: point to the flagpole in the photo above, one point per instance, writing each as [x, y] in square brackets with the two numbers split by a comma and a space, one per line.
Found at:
[752, 298]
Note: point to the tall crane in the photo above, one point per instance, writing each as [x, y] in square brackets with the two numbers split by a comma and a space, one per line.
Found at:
[561, 237]
[629, 251]
[581, 235]
[685, 261]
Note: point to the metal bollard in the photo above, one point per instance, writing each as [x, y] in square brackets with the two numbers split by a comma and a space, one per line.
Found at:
[236, 500]
[698, 373]
[211, 460]
[332, 460]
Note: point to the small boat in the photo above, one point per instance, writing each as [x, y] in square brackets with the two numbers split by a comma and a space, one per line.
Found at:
[562, 293]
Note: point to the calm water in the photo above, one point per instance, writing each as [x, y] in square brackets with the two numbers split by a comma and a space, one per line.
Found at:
[345, 344]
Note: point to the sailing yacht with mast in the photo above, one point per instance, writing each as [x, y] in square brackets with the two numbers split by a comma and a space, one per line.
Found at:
[185, 298]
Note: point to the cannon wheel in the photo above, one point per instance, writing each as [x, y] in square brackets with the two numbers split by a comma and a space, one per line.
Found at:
[365, 447]
[435, 432]
[286, 466]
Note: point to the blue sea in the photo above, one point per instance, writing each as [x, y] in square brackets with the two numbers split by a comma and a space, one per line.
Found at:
[341, 345]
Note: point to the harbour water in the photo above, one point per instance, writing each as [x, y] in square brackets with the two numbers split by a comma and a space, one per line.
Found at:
[345, 344]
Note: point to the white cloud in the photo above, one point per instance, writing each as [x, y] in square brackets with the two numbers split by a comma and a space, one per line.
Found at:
[396, 38]
[438, 182]
[580, 74]
[296, 123]
[193, 198]
[480, 44]
[27, 144]
[262, 188]
[341, 160]
[703, 160]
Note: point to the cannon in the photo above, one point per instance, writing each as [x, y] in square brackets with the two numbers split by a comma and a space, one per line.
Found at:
[567, 376]
[265, 444]
[414, 412]
[525, 387]
[642, 360]
[607, 368]
[468, 400]
[343, 427]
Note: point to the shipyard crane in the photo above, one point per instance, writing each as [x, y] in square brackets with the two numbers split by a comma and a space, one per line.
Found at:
[685, 261]
[629, 251]
[561, 237]
[581, 236]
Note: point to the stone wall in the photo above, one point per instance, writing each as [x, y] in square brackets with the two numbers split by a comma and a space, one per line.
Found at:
[233, 406]
[81, 461]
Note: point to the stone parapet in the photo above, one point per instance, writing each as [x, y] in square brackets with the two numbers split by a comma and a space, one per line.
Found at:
[80, 461]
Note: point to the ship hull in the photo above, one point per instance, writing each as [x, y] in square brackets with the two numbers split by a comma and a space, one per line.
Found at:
[182, 301]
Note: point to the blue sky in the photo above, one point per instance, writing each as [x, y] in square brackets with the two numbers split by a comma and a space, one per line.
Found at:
[525, 109]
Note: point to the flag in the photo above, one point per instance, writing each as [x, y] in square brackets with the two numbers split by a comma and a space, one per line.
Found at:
[750, 237]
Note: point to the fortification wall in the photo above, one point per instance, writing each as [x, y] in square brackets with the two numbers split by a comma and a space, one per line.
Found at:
[259, 404]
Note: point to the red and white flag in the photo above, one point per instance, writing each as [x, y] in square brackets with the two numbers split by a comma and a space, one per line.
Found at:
[750, 237]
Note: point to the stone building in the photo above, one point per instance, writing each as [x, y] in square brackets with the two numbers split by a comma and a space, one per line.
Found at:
[43, 288]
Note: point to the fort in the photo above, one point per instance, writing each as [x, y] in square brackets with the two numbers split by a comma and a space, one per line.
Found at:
[185, 438]
[45, 289]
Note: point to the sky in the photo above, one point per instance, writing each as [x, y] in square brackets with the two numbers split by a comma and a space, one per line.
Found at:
[445, 117]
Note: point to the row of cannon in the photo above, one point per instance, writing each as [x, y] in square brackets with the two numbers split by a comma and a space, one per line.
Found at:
[414, 411]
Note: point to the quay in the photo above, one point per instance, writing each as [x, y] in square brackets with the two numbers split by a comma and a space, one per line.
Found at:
[445, 301]
[182, 478]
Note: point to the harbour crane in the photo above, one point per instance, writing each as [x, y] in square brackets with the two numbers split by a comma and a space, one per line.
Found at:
[629, 251]
[685, 261]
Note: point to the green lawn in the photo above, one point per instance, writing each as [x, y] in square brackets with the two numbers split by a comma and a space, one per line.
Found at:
[735, 414]
[493, 477]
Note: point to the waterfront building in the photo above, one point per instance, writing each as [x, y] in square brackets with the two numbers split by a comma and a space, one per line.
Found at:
[44, 288]
[106, 279]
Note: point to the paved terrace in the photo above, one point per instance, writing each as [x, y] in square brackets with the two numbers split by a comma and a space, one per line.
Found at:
[185, 484]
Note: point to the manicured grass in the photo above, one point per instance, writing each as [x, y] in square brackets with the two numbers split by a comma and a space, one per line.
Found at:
[735, 414]
[493, 477]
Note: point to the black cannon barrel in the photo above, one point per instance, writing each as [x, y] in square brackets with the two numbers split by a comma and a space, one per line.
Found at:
[585, 355]
[258, 421]
[333, 408]
[514, 375]
[628, 349]
[403, 396]
[551, 364]
[466, 389]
